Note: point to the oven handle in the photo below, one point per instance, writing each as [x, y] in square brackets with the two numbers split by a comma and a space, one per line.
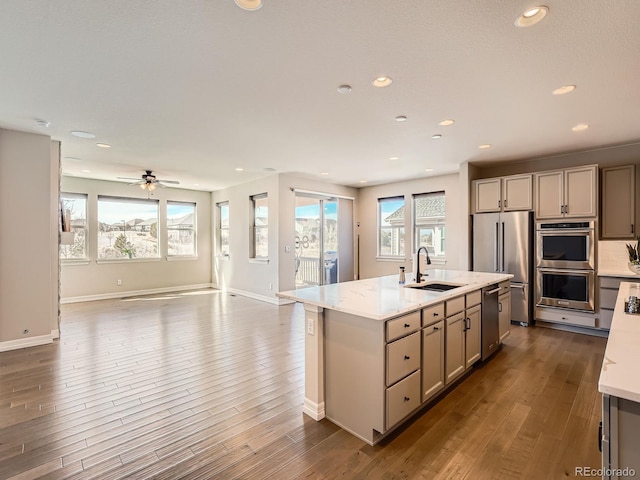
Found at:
[566, 232]
[585, 271]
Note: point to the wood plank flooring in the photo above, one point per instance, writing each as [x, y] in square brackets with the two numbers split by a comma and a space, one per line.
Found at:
[206, 385]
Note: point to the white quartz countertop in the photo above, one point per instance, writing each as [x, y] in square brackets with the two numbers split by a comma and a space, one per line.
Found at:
[619, 375]
[382, 298]
[617, 272]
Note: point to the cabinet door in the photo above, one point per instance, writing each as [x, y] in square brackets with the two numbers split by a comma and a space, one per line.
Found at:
[549, 194]
[432, 360]
[517, 193]
[581, 192]
[487, 195]
[504, 315]
[473, 344]
[618, 202]
[454, 351]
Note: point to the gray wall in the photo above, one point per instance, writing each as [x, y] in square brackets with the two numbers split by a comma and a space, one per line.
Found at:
[28, 229]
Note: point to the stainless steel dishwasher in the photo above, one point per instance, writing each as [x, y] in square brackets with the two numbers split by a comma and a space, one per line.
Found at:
[490, 332]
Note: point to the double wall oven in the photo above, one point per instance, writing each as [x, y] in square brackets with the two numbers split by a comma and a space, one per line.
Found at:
[566, 265]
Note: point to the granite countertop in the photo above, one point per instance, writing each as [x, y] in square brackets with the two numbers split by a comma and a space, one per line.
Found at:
[382, 298]
[619, 375]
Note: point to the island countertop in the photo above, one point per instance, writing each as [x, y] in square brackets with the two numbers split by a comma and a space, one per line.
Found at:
[619, 375]
[382, 298]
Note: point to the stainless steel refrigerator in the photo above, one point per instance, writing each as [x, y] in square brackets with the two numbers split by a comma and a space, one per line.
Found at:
[503, 243]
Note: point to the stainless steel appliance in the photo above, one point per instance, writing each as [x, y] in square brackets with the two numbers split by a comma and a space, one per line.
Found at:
[566, 245]
[563, 288]
[490, 329]
[503, 242]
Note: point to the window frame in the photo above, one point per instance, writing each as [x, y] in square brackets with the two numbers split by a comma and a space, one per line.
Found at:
[438, 223]
[130, 200]
[193, 229]
[221, 228]
[401, 229]
[85, 228]
[253, 253]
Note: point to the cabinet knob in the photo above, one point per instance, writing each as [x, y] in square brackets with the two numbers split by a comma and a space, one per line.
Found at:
[435, 314]
[406, 325]
[407, 357]
[406, 399]
[435, 329]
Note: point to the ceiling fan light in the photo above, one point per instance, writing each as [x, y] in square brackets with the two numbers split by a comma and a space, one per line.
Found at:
[152, 187]
[249, 4]
[143, 186]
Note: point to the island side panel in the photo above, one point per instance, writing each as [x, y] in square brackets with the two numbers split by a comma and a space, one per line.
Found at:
[314, 400]
[354, 373]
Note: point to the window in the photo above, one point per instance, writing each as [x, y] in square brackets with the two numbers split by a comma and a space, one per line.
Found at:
[181, 229]
[127, 228]
[260, 244]
[223, 228]
[391, 227]
[74, 207]
[429, 223]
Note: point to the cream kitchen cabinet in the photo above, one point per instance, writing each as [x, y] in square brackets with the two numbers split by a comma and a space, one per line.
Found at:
[503, 194]
[572, 192]
[472, 340]
[432, 359]
[618, 202]
[463, 334]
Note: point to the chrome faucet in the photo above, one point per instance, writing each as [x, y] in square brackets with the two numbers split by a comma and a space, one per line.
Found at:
[418, 275]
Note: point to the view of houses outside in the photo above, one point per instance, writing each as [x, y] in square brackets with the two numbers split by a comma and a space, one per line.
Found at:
[181, 234]
[75, 206]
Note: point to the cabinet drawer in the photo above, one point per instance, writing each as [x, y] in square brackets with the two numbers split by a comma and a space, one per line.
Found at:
[399, 327]
[432, 314]
[568, 317]
[454, 305]
[474, 298]
[403, 357]
[402, 399]
[608, 298]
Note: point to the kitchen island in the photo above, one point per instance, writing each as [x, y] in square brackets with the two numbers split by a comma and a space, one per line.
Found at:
[620, 385]
[376, 351]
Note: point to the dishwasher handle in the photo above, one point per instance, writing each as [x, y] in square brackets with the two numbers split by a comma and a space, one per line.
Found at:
[491, 292]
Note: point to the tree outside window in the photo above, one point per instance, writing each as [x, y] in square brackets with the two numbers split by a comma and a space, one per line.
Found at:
[75, 206]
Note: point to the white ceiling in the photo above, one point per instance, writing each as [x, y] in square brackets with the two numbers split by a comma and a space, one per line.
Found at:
[193, 89]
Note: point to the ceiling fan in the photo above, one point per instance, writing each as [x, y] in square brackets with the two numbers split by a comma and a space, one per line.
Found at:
[148, 181]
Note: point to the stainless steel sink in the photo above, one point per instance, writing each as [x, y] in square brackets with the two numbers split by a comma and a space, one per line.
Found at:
[435, 286]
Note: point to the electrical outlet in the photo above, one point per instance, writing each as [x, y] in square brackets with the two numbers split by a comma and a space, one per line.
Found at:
[310, 326]
[119, 282]
[271, 286]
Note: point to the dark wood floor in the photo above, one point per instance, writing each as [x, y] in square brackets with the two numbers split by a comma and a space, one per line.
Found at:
[205, 385]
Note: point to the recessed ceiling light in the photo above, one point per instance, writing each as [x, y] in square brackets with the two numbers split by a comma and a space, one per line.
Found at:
[382, 82]
[239, 169]
[363, 181]
[436, 136]
[564, 89]
[196, 184]
[428, 169]
[401, 118]
[81, 134]
[580, 127]
[249, 4]
[73, 159]
[484, 146]
[103, 145]
[394, 158]
[324, 173]
[269, 169]
[43, 123]
[531, 16]
[86, 171]
[446, 123]
[344, 88]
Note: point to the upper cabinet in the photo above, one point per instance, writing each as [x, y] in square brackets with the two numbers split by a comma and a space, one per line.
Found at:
[572, 192]
[503, 194]
[618, 202]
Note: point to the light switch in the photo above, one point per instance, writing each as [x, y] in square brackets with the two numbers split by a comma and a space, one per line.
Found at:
[287, 249]
[310, 326]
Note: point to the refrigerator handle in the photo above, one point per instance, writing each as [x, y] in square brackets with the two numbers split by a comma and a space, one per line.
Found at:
[496, 258]
[502, 252]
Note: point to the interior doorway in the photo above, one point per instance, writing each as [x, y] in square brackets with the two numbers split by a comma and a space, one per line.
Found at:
[323, 239]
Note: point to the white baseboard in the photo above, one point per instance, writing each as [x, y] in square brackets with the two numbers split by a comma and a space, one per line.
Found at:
[28, 342]
[257, 296]
[313, 409]
[134, 293]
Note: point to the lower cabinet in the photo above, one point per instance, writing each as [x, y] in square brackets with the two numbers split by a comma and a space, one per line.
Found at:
[455, 352]
[504, 315]
[472, 340]
[403, 398]
[432, 359]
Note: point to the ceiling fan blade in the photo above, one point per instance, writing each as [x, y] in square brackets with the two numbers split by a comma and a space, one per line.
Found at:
[127, 178]
[159, 184]
[175, 182]
[140, 182]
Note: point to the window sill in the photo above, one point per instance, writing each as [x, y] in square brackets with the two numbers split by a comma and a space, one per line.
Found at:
[66, 261]
[174, 258]
[391, 259]
[263, 261]
[127, 260]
